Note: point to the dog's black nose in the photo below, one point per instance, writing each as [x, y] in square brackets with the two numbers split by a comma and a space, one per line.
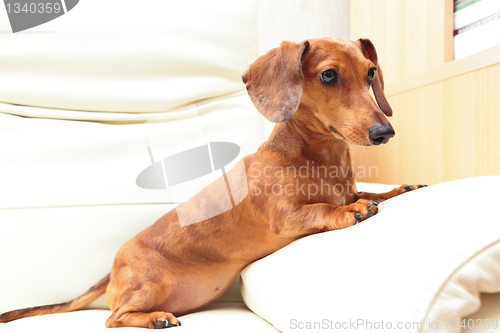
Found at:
[380, 133]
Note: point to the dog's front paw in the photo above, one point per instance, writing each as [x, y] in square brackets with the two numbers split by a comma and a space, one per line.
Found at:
[398, 191]
[356, 212]
[364, 209]
[407, 188]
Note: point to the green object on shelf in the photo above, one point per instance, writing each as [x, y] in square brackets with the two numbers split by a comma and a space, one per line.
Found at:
[464, 4]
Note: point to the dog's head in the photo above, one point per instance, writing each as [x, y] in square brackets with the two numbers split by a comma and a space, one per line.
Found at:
[328, 80]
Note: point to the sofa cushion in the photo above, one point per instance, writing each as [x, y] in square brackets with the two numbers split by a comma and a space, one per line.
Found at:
[216, 318]
[424, 258]
[118, 56]
[54, 254]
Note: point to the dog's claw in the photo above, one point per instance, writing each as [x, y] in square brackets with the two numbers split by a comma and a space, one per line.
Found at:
[158, 324]
[358, 217]
[408, 188]
[421, 185]
[376, 203]
[174, 325]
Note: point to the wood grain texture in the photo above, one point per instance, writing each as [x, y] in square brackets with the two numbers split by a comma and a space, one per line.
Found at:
[448, 30]
[454, 68]
[410, 36]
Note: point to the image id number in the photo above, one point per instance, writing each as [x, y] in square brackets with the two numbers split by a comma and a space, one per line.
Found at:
[33, 8]
[478, 324]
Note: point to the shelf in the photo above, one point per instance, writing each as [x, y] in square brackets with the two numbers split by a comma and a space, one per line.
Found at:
[448, 70]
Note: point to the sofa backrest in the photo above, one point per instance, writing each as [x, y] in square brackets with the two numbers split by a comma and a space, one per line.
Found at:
[127, 56]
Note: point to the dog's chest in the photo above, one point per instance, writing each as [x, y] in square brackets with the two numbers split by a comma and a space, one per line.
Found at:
[308, 182]
[327, 183]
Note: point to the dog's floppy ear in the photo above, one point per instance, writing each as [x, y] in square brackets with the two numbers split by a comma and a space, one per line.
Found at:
[274, 81]
[378, 80]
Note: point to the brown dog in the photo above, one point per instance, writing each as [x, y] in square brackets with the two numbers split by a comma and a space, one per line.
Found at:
[318, 93]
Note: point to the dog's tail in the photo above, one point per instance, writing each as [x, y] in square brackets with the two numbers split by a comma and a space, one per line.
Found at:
[76, 304]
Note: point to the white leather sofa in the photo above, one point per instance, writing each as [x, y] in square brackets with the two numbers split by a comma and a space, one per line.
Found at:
[83, 97]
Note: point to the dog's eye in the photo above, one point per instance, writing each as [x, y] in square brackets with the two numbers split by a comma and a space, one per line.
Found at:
[329, 77]
[371, 74]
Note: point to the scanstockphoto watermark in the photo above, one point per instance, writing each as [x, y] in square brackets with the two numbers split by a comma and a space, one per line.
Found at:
[352, 324]
[371, 325]
[307, 180]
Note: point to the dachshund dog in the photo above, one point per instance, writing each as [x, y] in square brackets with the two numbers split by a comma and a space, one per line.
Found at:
[317, 91]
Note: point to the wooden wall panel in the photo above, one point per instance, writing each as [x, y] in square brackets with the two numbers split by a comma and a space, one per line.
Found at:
[488, 122]
[411, 37]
